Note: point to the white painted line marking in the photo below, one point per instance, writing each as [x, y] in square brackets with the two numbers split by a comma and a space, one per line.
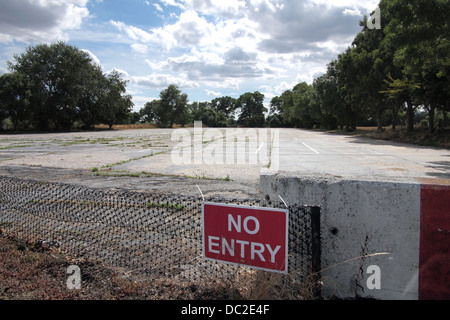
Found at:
[260, 147]
[317, 152]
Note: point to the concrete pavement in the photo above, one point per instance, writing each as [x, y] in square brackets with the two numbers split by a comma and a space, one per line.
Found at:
[375, 196]
[321, 154]
[307, 153]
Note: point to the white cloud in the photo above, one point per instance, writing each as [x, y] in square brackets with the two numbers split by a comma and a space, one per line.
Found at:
[366, 5]
[123, 73]
[159, 80]
[139, 47]
[157, 6]
[213, 93]
[94, 58]
[154, 66]
[218, 46]
[140, 101]
[228, 9]
[157, 37]
[170, 3]
[223, 83]
[40, 21]
[352, 12]
[228, 43]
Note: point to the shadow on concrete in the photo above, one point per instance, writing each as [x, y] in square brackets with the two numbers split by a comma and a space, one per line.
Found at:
[443, 166]
[379, 142]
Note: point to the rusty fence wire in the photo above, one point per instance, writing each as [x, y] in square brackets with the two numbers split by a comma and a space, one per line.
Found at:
[159, 235]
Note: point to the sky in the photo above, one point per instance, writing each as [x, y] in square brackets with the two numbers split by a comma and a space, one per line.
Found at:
[209, 48]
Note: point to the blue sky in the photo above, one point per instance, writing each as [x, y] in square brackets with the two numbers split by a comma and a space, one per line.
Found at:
[209, 48]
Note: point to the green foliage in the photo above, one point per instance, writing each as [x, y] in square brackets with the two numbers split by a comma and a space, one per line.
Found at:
[14, 99]
[252, 109]
[385, 76]
[417, 32]
[208, 115]
[170, 109]
[401, 68]
[54, 86]
[329, 103]
[296, 107]
[114, 105]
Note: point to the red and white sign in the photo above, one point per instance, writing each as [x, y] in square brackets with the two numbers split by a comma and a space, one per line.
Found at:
[248, 236]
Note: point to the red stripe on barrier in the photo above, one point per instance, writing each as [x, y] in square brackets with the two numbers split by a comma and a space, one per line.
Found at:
[434, 269]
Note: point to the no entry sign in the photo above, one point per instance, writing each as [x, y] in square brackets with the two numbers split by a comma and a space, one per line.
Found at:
[249, 236]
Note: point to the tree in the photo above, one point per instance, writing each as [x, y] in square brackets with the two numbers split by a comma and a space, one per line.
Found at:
[275, 118]
[114, 104]
[252, 109]
[63, 86]
[329, 100]
[280, 108]
[208, 115]
[90, 96]
[401, 91]
[14, 99]
[3, 114]
[135, 117]
[301, 113]
[349, 78]
[226, 109]
[172, 106]
[54, 75]
[419, 30]
[148, 112]
[374, 59]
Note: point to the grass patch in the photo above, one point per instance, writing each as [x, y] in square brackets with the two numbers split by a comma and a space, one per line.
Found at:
[109, 166]
[203, 177]
[75, 142]
[16, 146]
[117, 174]
[110, 173]
[178, 207]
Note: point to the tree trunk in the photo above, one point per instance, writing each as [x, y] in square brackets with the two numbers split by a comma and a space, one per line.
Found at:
[445, 120]
[353, 121]
[431, 113]
[380, 119]
[394, 118]
[410, 114]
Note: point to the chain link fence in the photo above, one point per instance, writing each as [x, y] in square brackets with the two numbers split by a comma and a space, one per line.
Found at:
[159, 235]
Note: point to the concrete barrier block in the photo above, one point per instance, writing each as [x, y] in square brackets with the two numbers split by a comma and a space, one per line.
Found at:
[364, 224]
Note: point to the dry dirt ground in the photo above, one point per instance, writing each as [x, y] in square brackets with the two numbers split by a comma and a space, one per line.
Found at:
[34, 272]
[37, 272]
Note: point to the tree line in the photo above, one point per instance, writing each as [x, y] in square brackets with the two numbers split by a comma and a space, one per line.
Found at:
[173, 107]
[57, 87]
[398, 74]
[387, 76]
